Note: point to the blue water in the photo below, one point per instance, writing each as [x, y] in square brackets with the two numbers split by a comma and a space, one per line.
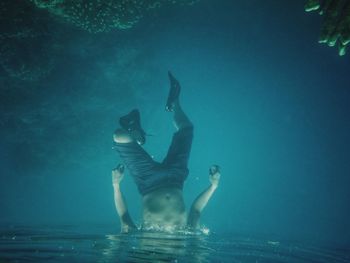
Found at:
[269, 104]
[101, 244]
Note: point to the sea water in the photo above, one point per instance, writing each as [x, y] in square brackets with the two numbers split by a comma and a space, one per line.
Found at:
[269, 104]
[103, 244]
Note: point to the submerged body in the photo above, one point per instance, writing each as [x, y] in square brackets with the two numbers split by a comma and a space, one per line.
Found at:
[159, 183]
[164, 208]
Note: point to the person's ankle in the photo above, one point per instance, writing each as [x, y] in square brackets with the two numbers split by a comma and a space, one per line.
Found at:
[138, 137]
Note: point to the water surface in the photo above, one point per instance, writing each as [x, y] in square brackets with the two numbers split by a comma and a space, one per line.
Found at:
[103, 244]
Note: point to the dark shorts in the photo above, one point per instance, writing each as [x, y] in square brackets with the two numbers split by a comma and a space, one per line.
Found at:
[150, 175]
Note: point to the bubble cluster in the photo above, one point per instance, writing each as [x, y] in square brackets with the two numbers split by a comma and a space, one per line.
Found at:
[103, 15]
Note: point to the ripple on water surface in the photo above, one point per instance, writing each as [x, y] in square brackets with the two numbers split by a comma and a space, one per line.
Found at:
[72, 244]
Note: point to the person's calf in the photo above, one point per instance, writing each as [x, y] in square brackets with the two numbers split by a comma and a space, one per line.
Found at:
[181, 121]
[122, 136]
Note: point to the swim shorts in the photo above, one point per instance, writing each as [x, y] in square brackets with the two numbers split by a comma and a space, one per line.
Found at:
[150, 175]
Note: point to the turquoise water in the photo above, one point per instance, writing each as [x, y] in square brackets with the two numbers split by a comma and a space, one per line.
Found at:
[100, 244]
[269, 104]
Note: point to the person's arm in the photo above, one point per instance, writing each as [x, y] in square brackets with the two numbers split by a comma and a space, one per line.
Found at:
[126, 222]
[201, 201]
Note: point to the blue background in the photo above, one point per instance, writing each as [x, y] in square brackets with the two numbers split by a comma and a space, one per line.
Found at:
[269, 104]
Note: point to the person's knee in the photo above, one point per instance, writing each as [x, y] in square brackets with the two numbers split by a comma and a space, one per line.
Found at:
[122, 136]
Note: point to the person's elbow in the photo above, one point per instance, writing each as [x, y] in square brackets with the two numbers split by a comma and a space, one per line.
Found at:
[195, 209]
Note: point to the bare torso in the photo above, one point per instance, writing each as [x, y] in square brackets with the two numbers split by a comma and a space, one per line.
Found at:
[164, 208]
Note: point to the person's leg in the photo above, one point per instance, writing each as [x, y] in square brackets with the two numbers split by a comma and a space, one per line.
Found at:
[131, 128]
[123, 136]
[176, 160]
[131, 152]
[173, 104]
[181, 120]
[180, 147]
[128, 140]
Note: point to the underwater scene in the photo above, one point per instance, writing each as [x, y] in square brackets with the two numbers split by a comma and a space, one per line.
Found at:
[175, 131]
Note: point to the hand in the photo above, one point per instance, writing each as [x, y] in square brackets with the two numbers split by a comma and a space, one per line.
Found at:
[336, 25]
[214, 175]
[118, 174]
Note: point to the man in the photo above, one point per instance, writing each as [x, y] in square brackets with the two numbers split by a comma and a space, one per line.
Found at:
[160, 184]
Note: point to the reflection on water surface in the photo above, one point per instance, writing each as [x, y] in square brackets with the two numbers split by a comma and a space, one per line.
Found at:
[99, 244]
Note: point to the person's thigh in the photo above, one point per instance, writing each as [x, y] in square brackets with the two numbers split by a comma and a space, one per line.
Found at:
[139, 163]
